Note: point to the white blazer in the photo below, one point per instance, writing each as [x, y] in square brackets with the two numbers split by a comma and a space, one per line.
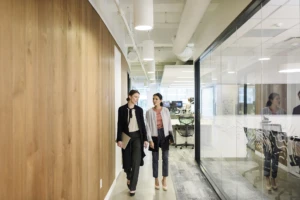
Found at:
[151, 122]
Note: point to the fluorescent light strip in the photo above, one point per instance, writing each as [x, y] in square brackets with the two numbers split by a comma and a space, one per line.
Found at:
[262, 59]
[183, 84]
[289, 71]
[184, 81]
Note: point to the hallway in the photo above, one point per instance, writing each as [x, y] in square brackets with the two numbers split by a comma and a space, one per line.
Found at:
[185, 180]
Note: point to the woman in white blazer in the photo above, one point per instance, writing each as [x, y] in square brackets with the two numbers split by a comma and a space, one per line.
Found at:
[159, 131]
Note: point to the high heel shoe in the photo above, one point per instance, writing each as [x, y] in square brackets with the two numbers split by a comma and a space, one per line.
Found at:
[274, 185]
[268, 184]
[132, 193]
[165, 188]
[156, 185]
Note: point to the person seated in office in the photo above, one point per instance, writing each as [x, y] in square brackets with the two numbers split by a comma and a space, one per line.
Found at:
[271, 155]
[273, 106]
[296, 110]
[188, 106]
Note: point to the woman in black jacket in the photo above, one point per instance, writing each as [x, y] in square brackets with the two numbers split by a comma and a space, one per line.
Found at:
[131, 122]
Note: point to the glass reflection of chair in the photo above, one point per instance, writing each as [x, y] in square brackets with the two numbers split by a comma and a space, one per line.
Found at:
[185, 129]
[279, 144]
[295, 153]
[256, 142]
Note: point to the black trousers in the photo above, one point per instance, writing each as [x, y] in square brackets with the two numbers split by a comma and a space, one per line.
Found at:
[271, 162]
[165, 156]
[136, 156]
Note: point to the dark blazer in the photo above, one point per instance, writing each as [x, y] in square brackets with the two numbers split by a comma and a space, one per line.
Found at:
[123, 127]
[296, 110]
[123, 122]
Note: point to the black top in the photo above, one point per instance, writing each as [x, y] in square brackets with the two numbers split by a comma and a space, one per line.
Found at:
[123, 122]
[296, 110]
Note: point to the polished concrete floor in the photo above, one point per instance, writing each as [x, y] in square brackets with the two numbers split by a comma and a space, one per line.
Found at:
[185, 181]
[145, 187]
[244, 180]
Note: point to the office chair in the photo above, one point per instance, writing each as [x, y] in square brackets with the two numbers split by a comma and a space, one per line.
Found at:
[185, 129]
[279, 142]
[294, 154]
[256, 141]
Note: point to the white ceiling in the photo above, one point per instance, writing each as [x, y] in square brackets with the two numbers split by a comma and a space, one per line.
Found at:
[178, 76]
[272, 32]
[167, 15]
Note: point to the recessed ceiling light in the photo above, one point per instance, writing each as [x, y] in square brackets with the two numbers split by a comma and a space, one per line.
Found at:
[214, 79]
[143, 28]
[231, 72]
[265, 58]
[183, 84]
[289, 71]
[289, 68]
[279, 24]
[184, 81]
[150, 72]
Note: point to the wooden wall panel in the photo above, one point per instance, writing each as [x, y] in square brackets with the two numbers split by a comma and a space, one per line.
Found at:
[56, 101]
[31, 142]
[18, 97]
[6, 104]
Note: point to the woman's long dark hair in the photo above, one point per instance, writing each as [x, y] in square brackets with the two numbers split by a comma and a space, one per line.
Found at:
[132, 92]
[271, 97]
[160, 97]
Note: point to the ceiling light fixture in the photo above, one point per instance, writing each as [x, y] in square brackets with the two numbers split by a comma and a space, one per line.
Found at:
[230, 69]
[214, 76]
[182, 84]
[289, 68]
[151, 67]
[148, 50]
[266, 58]
[152, 77]
[184, 81]
[143, 14]
[279, 24]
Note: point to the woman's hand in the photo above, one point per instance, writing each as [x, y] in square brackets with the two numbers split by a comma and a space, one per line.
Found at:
[152, 145]
[145, 144]
[120, 144]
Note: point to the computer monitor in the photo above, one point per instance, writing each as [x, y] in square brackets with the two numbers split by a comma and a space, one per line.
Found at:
[166, 104]
[177, 104]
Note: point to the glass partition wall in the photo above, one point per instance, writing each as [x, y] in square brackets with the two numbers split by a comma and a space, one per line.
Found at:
[249, 119]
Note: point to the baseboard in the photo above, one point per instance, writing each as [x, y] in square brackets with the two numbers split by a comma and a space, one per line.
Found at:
[107, 197]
